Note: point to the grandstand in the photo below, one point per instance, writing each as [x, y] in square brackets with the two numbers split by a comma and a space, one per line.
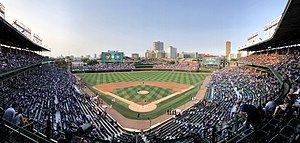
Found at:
[60, 105]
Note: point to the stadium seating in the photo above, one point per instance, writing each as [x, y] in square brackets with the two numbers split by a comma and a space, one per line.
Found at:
[179, 66]
[11, 59]
[106, 67]
[50, 88]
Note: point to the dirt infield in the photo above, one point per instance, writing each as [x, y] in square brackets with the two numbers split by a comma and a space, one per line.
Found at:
[142, 103]
[176, 87]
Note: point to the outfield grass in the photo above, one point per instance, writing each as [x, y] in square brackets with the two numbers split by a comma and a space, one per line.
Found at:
[194, 79]
[130, 93]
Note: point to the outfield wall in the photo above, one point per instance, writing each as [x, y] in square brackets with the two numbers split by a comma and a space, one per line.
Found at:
[138, 69]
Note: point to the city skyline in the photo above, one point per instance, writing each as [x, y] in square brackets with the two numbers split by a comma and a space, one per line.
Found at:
[88, 27]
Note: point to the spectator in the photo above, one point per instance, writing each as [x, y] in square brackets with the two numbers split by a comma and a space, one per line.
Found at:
[18, 118]
[10, 112]
[282, 106]
[251, 114]
[270, 106]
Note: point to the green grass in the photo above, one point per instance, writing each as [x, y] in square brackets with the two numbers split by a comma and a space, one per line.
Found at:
[130, 93]
[194, 79]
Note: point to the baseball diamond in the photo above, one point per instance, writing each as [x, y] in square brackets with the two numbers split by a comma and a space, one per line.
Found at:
[167, 90]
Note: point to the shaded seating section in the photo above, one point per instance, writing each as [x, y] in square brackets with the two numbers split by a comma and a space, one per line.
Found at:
[11, 59]
[49, 92]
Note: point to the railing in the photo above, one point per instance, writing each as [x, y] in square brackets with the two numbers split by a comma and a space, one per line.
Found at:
[13, 133]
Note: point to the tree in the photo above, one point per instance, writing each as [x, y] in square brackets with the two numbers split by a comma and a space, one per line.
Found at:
[92, 62]
[84, 60]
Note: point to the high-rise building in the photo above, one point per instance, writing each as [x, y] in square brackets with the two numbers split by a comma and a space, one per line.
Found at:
[157, 45]
[157, 51]
[228, 49]
[172, 52]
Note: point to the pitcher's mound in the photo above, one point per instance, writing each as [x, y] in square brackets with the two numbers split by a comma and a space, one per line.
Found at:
[142, 108]
[143, 92]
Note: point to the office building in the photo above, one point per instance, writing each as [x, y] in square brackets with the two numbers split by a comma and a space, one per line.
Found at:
[158, 46]
[172, 52]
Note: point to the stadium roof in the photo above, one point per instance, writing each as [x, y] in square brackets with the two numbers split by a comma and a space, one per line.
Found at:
[288, 31]
[10, 36]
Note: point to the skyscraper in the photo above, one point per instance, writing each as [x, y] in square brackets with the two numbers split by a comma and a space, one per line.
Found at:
[172, 52]
[157, 45]
[228, 49]
[157, 51]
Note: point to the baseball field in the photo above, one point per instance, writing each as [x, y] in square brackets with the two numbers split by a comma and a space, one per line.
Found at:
[145, 94]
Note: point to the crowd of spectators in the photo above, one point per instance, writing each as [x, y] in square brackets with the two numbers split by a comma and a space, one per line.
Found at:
[231, 91]
[17, 59]
[262, 59]
[179, 66]
[286, 64]
[289, 68]
[51, 93]
[106, 67]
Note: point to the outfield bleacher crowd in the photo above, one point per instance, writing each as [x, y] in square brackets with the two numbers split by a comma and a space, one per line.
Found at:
[107, 67]
[179, 66]
[17, 59]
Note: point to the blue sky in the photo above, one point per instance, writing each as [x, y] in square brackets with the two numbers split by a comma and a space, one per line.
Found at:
[85, 27]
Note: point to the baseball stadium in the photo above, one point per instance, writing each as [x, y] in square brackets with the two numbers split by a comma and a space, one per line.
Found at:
[165, 96]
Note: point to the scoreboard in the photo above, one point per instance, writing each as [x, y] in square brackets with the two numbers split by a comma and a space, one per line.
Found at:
[112, 57]
[211, 60]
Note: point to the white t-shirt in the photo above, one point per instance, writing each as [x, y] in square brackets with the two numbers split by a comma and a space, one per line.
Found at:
[16, 119]
[9, 114]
